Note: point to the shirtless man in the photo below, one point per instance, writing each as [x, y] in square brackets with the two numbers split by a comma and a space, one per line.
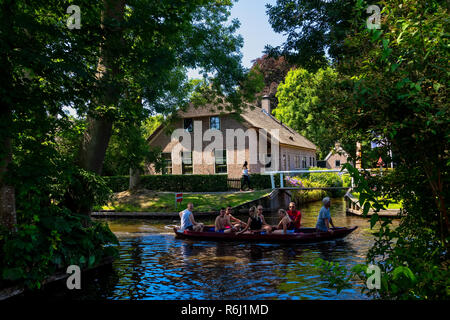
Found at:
[237, 224]
[222, 222]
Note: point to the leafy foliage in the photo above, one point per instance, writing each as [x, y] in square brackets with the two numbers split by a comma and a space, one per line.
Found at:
[395, 89]
[300, 106]
[313, 28]
[273, 70]
[47, 67]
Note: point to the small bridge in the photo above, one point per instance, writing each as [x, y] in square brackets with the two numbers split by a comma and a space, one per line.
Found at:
[281, 195]
[282, 173]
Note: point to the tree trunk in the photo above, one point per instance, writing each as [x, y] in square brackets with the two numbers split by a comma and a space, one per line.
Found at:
[98, 132]
[135, 177]
[94, 145]
[7, 192]
[8, 218]
[99, 123]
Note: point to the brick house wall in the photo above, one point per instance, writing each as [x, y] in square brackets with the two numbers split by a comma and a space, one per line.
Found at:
[296, 158]
[331, 161]
[293, 154]
[234, 170]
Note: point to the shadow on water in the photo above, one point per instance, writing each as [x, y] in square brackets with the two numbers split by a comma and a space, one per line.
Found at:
[155, 265]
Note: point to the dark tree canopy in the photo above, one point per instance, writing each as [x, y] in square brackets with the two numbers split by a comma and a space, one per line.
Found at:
[314, 28]
[273, 70]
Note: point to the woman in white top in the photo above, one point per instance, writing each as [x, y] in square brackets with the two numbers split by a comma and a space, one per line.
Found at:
[245, 177]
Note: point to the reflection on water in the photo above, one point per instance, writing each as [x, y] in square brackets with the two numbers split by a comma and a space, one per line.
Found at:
[155, 265]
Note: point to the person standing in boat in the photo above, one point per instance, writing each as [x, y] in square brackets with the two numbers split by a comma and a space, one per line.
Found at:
[223, 223]
[295, 215]
[285, 222]
[256, 221]
[245, 177]
[187, 219]
[324, 219]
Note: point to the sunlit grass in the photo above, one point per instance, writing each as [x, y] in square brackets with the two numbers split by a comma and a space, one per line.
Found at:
[151, 201]
[392, 204]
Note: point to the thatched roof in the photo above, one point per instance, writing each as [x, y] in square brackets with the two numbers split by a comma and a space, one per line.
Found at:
[255, 117]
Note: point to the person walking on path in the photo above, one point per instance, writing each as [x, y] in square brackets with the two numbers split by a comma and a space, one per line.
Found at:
[245, 177]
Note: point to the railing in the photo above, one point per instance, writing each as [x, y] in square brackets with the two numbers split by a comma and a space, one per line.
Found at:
[234, 184]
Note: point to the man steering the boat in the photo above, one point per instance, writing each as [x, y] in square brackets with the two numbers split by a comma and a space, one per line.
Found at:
[324, 218]
[187, 220]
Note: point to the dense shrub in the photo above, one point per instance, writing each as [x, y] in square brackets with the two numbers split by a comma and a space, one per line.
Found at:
[49, 236]
[328, 179]
[261, 181]
[217, 183]
[117, 183]
[304, 196]
[186, 183]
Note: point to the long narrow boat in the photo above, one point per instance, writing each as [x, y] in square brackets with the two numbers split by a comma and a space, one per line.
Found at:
[302, 235]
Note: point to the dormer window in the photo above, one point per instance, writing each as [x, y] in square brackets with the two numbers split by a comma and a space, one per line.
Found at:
[214, 123]
[188, 125]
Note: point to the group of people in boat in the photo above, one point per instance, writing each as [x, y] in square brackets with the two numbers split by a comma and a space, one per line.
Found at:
[289, 220]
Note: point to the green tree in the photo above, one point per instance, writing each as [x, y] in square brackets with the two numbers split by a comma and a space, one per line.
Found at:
[398, 87]
[273, 71]
[146, 60]
[314, 30]
[123, 64]
[300, 106]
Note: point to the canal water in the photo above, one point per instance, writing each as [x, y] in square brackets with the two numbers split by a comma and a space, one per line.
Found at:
[155, 265]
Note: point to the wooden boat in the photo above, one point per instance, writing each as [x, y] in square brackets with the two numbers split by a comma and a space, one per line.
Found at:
[302, 235]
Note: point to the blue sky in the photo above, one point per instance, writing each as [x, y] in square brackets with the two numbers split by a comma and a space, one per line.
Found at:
[255, 29]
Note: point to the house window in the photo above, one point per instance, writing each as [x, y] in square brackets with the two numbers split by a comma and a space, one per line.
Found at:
[303, 162]
[267, 160]
[214, 123]
[297, 162]
[310, 161]
[188, 125]
[186, 166]
[284, 161]
[337, 163]
[167, 163]
[221, 161]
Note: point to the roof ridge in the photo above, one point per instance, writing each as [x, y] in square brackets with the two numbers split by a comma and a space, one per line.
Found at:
[280, 122]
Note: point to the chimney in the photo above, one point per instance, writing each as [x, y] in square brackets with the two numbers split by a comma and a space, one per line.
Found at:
[265, 103]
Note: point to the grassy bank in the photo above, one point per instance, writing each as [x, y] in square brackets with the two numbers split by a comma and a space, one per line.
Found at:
[151, 201]
[392, 204]
[317, 180]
